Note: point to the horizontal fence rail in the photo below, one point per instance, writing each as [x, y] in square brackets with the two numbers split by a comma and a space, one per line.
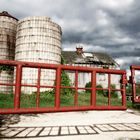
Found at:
[57, 97]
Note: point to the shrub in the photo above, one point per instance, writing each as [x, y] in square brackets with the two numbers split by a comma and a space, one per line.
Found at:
[129, 89]
[6, 68]
[65, 81]
[88, 85]
[113, 93]
[100, 91]
[136, 106]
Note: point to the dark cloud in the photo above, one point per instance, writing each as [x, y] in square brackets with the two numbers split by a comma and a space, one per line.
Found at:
[110, 26]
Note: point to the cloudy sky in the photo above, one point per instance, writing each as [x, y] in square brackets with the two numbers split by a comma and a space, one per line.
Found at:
[111, 26]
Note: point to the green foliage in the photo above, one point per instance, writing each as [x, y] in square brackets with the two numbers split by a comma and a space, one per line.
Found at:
[136, 105]
[102, 92]
[62, 60]
[129, 89]
[47, 99]
[47, 92]
[6, 68]
[29, 100]
[99, 86]
[113, 93]
[138, 89]
[65, 81]
[6, 100]
[88, 85]
[66, 100]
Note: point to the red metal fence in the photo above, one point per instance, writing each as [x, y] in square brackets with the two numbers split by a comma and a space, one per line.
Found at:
[135, 71]
[99, 98]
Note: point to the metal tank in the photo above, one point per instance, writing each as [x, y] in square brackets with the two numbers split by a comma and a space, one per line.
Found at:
[8, 26]
[38, 39]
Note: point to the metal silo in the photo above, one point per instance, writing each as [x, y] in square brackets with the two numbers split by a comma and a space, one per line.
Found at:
[38, 39]
[8, 26]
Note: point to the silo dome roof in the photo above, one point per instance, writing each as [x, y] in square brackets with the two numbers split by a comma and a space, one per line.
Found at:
[5, 13]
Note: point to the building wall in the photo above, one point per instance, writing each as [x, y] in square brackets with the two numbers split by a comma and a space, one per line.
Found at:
[101, 79]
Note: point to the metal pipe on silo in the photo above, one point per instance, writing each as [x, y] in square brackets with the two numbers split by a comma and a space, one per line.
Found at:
[38, 39]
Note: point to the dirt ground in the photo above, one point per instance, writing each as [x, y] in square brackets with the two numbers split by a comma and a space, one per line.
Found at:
[100, 125]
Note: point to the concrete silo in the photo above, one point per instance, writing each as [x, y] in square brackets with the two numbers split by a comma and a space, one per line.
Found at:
[38, 39]
[8, 26]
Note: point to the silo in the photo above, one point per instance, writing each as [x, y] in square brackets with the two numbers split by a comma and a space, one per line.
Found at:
[8, 26]
[38, 39]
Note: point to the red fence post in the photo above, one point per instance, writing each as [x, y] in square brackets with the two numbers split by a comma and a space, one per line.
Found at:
[124, 90]
[93, 90]
[58, 86]
[109, 89]
[18, 86]
[38, 88]
[76, 89]
[133, 84]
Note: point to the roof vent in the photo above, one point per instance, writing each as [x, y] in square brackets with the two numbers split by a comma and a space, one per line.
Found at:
[79, 50]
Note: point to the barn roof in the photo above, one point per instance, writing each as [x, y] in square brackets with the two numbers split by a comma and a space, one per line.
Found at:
[72, 57]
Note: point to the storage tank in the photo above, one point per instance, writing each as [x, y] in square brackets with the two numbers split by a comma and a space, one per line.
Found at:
[8, 26]
[38, 39]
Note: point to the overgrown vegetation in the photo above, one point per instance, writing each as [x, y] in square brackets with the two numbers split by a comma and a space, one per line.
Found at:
[105, 93]
[47, 99]
[62, 60]
[128, 89]
[6, 100]
[88, 85]
[6, 68]
[66, 82]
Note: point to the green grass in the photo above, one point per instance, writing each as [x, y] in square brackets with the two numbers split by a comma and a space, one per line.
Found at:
[29, 101]
[133, 105]
[84, 98]
[66, 100]
[47, 99]
[6, 100]
[102, 100]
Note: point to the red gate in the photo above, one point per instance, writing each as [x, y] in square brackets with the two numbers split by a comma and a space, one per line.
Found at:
[135, 81]
[57, 97]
